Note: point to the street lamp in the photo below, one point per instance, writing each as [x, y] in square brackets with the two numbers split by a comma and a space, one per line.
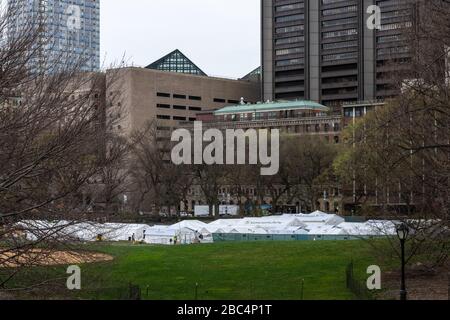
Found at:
[402, 233]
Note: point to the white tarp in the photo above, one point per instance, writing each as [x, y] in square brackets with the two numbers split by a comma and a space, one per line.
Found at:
[202, 211]
[228, 210]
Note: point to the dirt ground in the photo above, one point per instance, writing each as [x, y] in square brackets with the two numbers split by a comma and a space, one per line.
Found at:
[39, 257]
[421, 284]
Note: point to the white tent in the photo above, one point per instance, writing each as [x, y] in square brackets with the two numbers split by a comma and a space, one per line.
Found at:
[160, 235]
[289, 230]
[187, 236]
[166, 235]
[226, 222]
[191, 224]
[207, 234]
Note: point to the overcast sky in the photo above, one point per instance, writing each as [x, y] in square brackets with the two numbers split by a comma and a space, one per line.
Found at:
[221, 36]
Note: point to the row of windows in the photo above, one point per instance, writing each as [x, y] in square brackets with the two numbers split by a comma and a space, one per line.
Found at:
[176, 118]
[290, 29]
[332, 1]
[393, 50]
[177, 107]
[342, 10]
[354, 112]
[283, 52]
[290, 18]
[178, 96]
[339, 22]
[393, 38]
[220, 100]
[394, 26]
[340, 56]
[395, 14]
[339, 45]
[194, 98]
[340, 33]
[289, 40]
[288, 62]
[288, 7]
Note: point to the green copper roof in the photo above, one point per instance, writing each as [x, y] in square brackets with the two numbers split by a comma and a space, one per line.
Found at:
[273, 107]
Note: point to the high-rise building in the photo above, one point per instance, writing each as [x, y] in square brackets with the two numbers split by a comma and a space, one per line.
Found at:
[330, 51]
[70, 30]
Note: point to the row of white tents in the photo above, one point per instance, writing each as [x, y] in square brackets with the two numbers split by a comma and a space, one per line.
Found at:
[315, 225]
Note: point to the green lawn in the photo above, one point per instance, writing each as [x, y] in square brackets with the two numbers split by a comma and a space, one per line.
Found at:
[252, 270]
[258, 270]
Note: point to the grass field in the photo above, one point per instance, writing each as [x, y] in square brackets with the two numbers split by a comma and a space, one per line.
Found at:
[253, 270]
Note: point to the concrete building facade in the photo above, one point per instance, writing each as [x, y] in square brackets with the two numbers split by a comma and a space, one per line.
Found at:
[170, 97]
[326, 51]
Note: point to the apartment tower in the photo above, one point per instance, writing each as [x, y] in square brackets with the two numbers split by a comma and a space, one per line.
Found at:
[331, 51]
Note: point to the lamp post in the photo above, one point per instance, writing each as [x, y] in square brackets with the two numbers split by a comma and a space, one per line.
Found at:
[402, 233]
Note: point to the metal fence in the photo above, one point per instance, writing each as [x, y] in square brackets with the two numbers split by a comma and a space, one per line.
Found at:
[357, 287]
[135, 292]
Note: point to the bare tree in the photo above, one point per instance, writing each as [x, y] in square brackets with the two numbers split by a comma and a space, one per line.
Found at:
[158, 183]
[305, 160]
[54, 141]
[399, 155]
[211, 178]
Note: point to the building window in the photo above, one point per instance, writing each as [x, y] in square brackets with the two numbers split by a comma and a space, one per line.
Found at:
[195, 108]
[283, 52]
[179, 107]
[290, 29]
[340, 56]
[163, 117]
[179, 96]
[341, 10]
[348, 113]
[288, 7]
[219, 100]
[289, 62]
[162, 94]
[290, 18]
[196, 98]
[337, 127]
[359, 112]
[163, 106]
[340, 33]
[289, 40]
